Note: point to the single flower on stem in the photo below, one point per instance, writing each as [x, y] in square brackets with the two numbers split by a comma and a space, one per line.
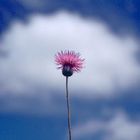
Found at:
[69, 62]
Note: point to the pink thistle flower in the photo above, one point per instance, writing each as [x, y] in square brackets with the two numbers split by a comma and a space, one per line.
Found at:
[69, 62]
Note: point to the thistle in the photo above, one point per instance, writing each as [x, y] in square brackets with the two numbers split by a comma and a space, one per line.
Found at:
[69, 62]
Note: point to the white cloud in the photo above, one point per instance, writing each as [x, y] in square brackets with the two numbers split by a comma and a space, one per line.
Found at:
[110, 60]
[117, 128]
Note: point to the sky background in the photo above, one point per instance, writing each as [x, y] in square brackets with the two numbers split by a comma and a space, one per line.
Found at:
[105, 95]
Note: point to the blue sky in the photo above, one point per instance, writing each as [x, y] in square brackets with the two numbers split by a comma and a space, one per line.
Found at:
[104, 96]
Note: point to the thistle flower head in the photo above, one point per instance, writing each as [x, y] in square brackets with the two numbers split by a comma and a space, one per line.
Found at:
[69, 62]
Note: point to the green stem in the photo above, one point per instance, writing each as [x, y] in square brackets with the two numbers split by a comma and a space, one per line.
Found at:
[68, 109]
